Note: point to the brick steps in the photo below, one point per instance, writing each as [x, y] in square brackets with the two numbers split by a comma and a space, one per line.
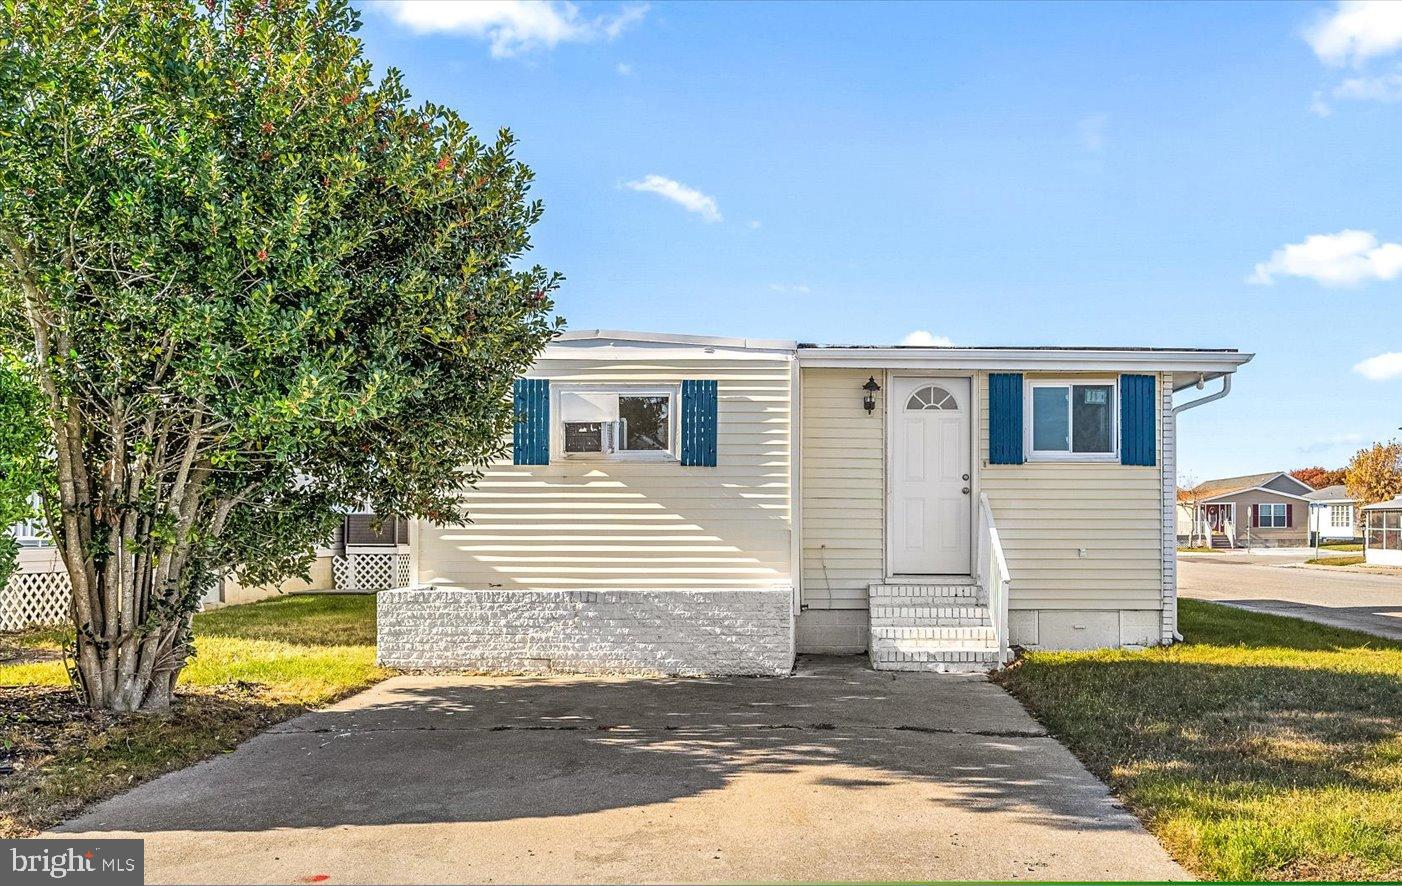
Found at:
[935, 616]
[930, 627]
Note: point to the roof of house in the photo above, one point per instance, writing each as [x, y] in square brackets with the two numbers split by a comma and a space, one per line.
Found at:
[1337, 492]
[1190, 366]
[1108, 348]
[1385, 505]
[1228, 485]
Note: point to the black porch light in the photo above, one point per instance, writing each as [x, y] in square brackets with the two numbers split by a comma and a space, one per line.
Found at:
[869, 400]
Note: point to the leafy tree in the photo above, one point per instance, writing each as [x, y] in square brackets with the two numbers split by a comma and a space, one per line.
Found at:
[1319, 477]
[254, 285]
[21, 449]
[1375, 473]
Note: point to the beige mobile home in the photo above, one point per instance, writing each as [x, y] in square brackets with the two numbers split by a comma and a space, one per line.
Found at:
[688, 504]
[1269, 510]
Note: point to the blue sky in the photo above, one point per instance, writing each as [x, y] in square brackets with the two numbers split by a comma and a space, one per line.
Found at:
[1190, 175]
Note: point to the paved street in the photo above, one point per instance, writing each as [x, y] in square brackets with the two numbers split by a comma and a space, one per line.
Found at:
[1268, 583]
[837, 773]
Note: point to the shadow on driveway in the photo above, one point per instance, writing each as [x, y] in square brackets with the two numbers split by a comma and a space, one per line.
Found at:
[837, 772]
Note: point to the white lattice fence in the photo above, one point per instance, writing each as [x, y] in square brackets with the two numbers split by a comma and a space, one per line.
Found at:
[34, 598]
[370, 572]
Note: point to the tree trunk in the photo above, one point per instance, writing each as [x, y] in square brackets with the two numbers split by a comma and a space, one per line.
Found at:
[137, 668]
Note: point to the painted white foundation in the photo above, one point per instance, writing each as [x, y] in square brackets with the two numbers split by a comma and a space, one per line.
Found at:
[673, 632]
[1379, 557]
[1051, 629]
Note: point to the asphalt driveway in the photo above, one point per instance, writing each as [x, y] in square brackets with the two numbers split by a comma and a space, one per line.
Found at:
[1362, 601]
[837, 773]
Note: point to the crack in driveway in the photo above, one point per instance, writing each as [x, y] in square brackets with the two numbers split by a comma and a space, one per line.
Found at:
[671, 727]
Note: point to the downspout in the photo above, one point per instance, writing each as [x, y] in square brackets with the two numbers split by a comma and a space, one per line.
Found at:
[1192, 404]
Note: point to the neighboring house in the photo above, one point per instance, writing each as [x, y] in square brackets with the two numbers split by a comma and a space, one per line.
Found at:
[1334, 515]
[1382, 536]
[1266, 510]
[360, 557]
[690, 504]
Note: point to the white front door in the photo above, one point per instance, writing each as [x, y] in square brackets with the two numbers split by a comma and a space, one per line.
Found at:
[931, 515]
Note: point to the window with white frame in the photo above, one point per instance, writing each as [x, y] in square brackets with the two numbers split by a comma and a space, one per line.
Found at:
[1384, 530]
[1271, 516]
[621, 423]
[1341, 516]
[1071, 420]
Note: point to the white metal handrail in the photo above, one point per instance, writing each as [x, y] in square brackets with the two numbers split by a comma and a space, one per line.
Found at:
[994, 576]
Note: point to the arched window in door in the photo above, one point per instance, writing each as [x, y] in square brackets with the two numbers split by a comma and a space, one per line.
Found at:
[932, 397]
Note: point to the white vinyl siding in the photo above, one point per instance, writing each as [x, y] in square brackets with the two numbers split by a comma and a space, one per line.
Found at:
[842, 487]
[1047, 511]
[582, 524]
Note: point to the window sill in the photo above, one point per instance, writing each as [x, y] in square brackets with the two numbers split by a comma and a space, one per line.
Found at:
[663, 458]
[1106, 458]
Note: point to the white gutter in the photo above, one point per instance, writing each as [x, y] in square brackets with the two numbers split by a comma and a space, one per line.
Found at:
[1198, 364]
[1192, 404]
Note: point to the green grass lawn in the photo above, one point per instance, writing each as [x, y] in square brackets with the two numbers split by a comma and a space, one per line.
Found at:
[1199, 550]
[1262, 748]
[1341, 546]
[255, 665]
[1336, 561]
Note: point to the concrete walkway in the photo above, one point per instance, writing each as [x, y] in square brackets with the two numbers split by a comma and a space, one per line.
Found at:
[838, 773]
[1356, 600]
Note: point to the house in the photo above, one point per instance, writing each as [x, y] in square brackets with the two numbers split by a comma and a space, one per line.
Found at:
[1264, 510]
[691, 504]
[1334, 515]
[365, 554]
[1382, 536]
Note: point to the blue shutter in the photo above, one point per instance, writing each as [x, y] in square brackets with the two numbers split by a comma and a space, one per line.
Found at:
[1137, 438]
[530, 438]
[699, 401]
[1005, 418]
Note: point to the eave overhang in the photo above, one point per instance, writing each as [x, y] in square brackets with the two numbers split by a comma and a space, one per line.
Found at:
[1194, 365]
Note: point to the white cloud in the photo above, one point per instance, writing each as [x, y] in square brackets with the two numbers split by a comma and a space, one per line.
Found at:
[790, 288]
[926, 339]
[1381, 367]
[1380, 88]
[512, 26]
[685, 196]
[629, 15]
[1356, 31]
[1347, 258]
[623, 69]
[1092, 132]
[754, 224]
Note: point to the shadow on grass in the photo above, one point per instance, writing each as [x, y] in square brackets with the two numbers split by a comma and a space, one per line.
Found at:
[61, 756]
[1265, 747]
[1281, 726]
[1216, 624]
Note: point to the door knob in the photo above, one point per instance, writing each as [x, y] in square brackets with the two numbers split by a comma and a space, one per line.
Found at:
[966, 490]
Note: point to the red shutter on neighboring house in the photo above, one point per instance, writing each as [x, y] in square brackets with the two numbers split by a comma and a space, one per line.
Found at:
[1255, 516]
[1289, 515]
